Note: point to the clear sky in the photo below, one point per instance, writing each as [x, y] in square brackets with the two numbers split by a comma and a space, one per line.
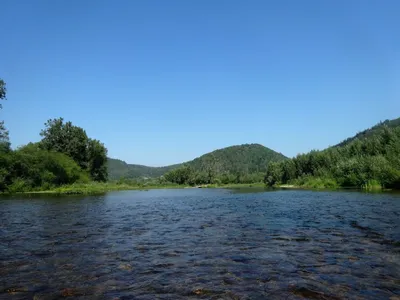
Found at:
[162, 82]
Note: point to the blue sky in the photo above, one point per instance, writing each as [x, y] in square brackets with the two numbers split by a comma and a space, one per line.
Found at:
[162, 82]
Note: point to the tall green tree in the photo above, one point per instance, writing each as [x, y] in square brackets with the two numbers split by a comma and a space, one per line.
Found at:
[3, 90]
[4, 138]
[97, 160]
[4, 146]
[73, 141]
[66, 138]
[4, 135]
[182, 175]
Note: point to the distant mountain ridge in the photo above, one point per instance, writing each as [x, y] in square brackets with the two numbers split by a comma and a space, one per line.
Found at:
[120, 169]
[248, 158]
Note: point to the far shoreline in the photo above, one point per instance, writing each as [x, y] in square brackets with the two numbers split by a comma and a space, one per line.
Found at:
[103, 188]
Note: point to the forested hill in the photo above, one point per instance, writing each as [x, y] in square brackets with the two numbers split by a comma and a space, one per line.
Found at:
[246, 159]
[120, 169]
[243, 159]
[371, 131]
[370, 159]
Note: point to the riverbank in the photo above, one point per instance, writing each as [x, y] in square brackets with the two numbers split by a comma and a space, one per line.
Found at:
[366, 188]
[95, 188]
[101, 188]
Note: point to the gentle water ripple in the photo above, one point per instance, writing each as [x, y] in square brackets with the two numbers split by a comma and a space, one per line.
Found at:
[201, 244]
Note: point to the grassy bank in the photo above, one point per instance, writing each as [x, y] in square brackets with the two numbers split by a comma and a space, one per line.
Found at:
[318, 183]
[372, 186]
[94, 188]
[309, 182]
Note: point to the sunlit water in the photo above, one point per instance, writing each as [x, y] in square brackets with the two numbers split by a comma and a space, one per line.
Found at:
[200, 243]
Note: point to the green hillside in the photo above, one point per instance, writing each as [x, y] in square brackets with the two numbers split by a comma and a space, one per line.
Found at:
[234, 160]
[247, 158]
[120, 169]
[370, 159]
[236, 164]
[371, 131]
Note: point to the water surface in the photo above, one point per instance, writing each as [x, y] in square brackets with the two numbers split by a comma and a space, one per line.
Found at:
[201, 244]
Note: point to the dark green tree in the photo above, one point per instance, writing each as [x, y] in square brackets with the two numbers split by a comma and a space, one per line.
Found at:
[90, 155]
[274, 173]
[4, 135]
[97, 160]
[4, 138]
[182, 175]
[3, 90]
[5, 168]
[66, 138]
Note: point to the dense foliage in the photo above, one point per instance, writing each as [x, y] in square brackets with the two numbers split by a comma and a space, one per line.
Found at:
[97, 160]
[236, 164]
[64, 156]
[371, 158]
[242, 159]
[30, 168]
[72, 140]
[371, 131]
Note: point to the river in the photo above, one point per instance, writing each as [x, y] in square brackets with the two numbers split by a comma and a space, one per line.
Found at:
[201, 244]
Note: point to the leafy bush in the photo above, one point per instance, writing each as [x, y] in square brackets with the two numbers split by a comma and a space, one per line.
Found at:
[30, 168]
[18, 185]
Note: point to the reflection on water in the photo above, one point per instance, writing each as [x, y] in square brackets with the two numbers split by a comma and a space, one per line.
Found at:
[201, 244]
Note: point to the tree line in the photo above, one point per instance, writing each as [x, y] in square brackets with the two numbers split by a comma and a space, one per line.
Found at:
[371, 159]
[65, 155]
[187, 175]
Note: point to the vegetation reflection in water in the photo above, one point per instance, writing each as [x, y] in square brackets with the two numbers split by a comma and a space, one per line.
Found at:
[201, 243]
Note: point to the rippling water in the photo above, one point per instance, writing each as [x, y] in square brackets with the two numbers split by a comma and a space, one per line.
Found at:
[201, 244]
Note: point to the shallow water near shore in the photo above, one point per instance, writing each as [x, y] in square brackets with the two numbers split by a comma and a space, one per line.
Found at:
[201, 244]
